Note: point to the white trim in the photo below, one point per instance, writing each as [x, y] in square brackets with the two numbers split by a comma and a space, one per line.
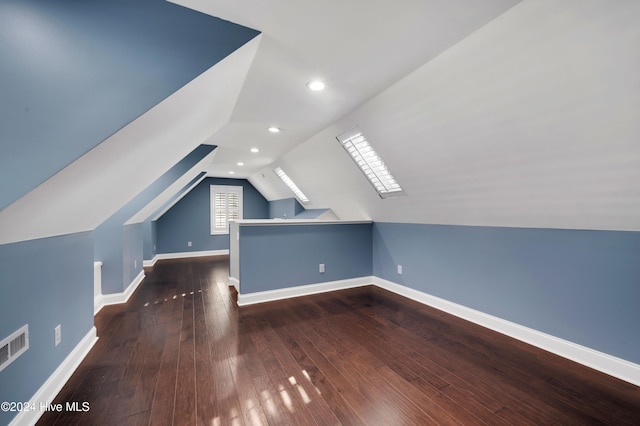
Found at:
[48, 391]
[103, 300]
[97, 281]
[236, 283]
[303, 290]
[149, 263]
[616, 367]
[276, 222]
[608, 364]
[184, 255]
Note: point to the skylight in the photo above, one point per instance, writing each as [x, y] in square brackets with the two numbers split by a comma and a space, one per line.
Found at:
[370, 163]
[292, 186]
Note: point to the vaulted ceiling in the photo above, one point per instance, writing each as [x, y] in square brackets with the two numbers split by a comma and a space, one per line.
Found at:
[358, 48]
[74, 73]
[498, 112]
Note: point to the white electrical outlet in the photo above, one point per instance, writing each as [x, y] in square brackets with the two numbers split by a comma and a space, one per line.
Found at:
[400, 269]
[57, 335]
[321, 268]
[189, 244]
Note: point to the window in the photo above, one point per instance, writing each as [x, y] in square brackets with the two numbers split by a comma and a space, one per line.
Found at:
[226, 205]
[370, 163]
[292, 186]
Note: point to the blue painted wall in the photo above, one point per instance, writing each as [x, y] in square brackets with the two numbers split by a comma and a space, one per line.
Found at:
[190, 218]
[149, 239]
[281, 256]
[286, 208]
[132, 251]
[582, 286]
[44, 283]
[73, 73]
[114, 245]
[310, 214]
[149, 226]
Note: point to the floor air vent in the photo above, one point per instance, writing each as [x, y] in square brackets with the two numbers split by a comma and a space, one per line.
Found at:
[14, 346]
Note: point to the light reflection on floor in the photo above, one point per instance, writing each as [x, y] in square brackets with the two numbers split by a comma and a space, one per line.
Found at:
[267, 398]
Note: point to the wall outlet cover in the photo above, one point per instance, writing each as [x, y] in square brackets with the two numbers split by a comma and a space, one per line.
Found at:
[57, 335]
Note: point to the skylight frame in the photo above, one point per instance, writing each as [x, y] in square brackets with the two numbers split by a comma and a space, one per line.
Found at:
[292, 185]
[370, 164]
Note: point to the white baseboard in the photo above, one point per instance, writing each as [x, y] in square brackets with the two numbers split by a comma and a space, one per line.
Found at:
[103, 300]
[184, 255]
[48, 391]
[608, 364]
[600, 361]
[234, 282]
[304, 290]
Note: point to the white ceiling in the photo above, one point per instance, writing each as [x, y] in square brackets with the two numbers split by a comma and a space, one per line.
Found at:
[358, 48]
[531, 121]
[492, 113]
[487, 114]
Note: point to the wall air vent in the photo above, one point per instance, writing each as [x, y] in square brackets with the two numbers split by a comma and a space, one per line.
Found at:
[13, 346]
[370, 163]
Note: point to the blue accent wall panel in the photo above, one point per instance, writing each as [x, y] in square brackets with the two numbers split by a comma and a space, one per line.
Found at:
[581, 286]
[44, 283]
[132, 251]
[285, 208]
[114, 246]
[190, 218]
[282, 256]
[310, 213]
[149, 226]
[73, 73]
[148, 239]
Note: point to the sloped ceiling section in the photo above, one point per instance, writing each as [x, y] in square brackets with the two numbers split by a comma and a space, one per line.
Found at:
[358, 47]
[92, 188]
[531, 121]
[73, 73]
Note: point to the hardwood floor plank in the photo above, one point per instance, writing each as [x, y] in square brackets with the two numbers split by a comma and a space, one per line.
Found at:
[475, 366]
[299, 387]
[348, 406]
[185, 399]
[370, 384]
[142, 400]
[281, 389]
[181, 352]
[380, 377]
[207, 397]
[162, 408]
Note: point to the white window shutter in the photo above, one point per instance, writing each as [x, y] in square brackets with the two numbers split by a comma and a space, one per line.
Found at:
[226, 205]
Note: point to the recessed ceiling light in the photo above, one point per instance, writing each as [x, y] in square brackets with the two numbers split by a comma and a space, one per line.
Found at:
[254, 150]
[232, 173]
[274, 129]
[240, 163]
[316, 85]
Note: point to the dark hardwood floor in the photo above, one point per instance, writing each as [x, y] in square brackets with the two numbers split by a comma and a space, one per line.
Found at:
[181, 352]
